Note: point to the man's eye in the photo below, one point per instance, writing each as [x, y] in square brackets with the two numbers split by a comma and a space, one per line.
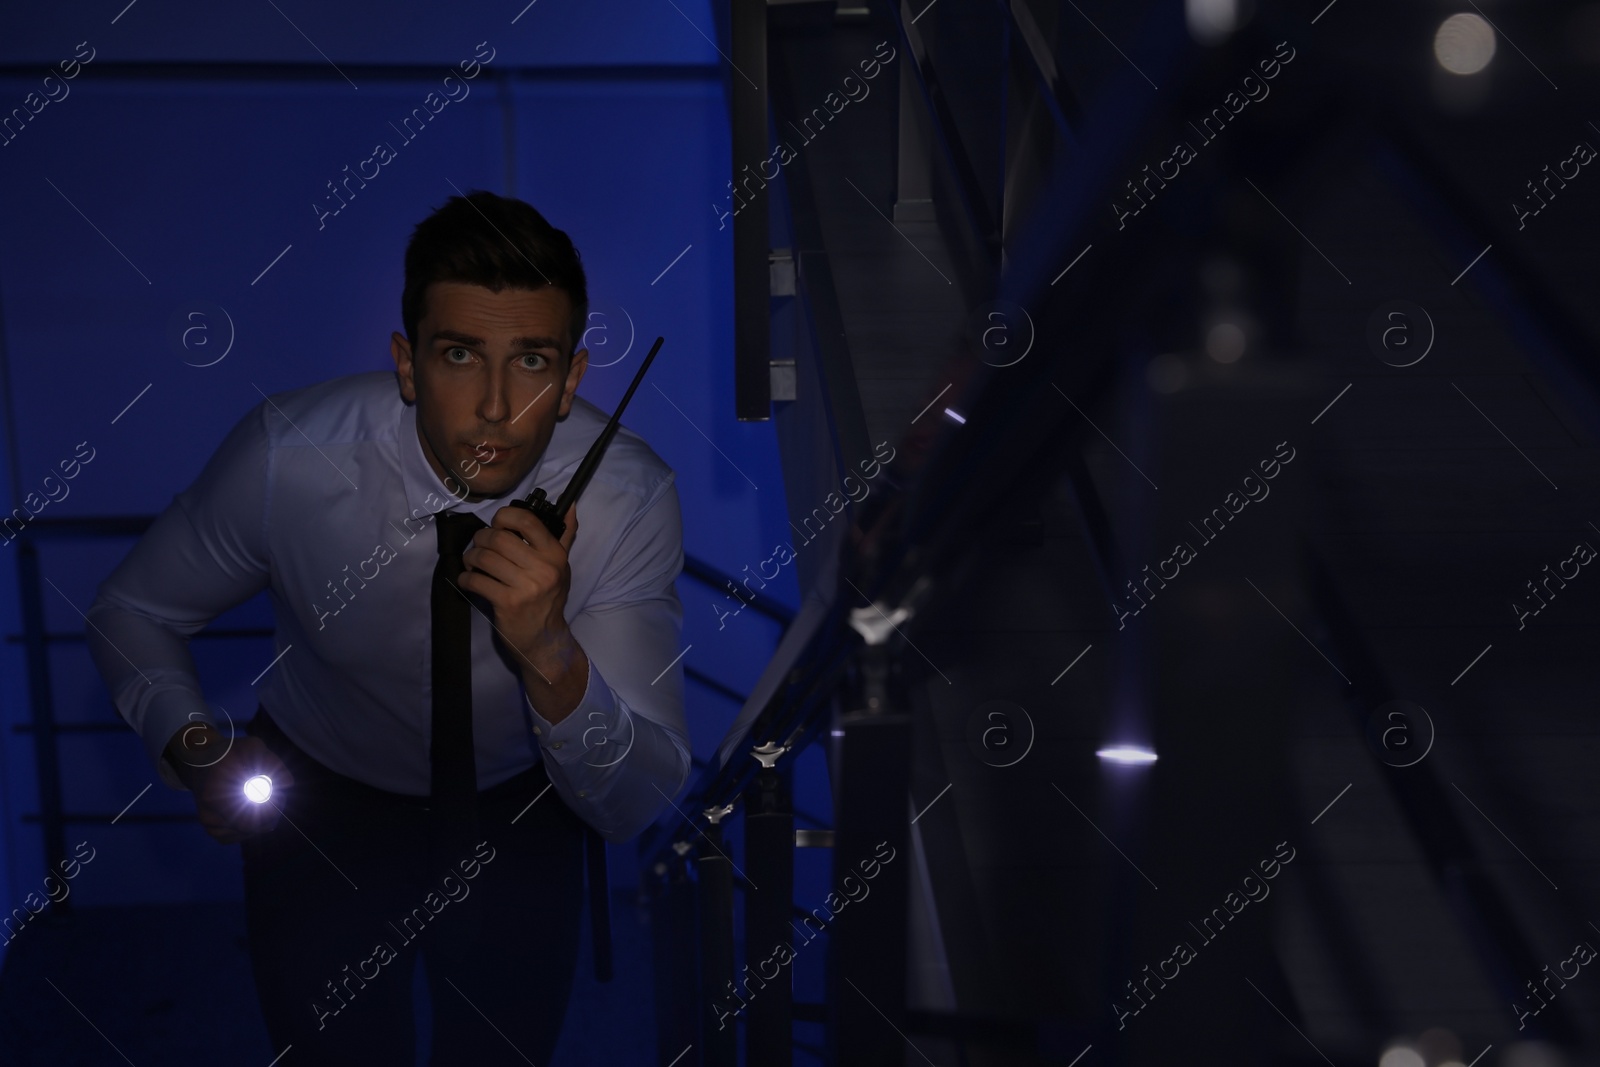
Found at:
[450, 354]
[534, 361]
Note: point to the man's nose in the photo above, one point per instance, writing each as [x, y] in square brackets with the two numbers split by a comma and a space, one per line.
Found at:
[493, 405]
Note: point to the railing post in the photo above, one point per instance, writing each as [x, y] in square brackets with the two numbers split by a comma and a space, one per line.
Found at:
[46, 760]
[769, 857]
[719, 1003]
[672, 928]
[867, 951]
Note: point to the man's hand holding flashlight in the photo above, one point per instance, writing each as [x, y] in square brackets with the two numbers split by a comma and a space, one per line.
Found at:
[237, 788]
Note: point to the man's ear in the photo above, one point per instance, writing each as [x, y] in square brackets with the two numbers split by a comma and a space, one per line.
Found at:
[576, 366]
[405, 368]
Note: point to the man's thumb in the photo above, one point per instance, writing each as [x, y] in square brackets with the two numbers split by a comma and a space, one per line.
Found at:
[571, 519]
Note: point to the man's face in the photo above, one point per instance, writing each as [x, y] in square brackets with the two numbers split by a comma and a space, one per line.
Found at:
[490, 377]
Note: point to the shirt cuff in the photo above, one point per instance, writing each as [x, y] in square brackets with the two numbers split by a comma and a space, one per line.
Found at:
[167, 714]
[591, 728]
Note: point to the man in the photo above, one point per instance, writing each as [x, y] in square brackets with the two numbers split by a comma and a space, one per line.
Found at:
[346, 501]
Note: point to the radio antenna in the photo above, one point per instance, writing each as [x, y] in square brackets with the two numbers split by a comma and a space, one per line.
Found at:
[552, 514]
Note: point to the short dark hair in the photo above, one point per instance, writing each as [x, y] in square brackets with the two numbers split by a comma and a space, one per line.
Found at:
[499, 243]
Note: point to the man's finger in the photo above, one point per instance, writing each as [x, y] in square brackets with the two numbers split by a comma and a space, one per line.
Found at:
[524, 524]
[489, 563]
[280, 774]
[507, 543]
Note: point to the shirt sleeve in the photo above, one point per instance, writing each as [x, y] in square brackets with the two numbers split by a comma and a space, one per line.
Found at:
[622, 755]
[203, 555]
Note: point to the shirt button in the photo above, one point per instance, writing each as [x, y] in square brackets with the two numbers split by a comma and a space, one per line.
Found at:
[558, 744]
[582, 793]
[536, 730]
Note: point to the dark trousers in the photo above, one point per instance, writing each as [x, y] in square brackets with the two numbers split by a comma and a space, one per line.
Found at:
[354, 883]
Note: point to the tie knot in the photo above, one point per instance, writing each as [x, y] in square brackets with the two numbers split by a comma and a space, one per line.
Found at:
[456, 530]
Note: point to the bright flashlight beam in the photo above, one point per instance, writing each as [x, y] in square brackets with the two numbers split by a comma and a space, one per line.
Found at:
[1126, 754]
[258, 790]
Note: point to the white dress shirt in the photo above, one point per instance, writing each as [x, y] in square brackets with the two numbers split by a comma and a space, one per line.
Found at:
[323, 497]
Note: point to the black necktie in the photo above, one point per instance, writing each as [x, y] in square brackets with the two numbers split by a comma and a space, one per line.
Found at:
[455, 779]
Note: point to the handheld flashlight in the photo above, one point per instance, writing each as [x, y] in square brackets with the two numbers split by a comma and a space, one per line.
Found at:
[258, 790]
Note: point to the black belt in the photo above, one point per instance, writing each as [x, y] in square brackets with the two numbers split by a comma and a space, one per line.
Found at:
[594, 845]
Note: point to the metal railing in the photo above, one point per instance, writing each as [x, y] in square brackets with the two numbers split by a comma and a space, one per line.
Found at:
[922, 528]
